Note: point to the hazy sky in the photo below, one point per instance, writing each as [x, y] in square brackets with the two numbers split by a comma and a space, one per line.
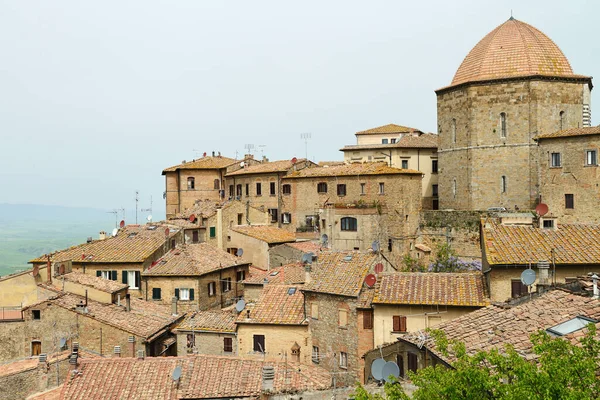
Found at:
[96, 98]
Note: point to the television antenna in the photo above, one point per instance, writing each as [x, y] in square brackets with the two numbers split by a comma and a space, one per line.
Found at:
[148, 210]
[137, 200]
[305, 136]
[262, 150]
[249, 148]
[115, 212]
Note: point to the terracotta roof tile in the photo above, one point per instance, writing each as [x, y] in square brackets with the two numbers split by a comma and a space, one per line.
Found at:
[450, 289]
[277, 304]
[286, 274]
[203, 163]
[267, 167]
[192, 260]
[266, 233]
[369, 168]
[103, 285]
[389, 128]
[524, 244]
[424, 141]
[306, 246]
[212, 321]
[573, 132]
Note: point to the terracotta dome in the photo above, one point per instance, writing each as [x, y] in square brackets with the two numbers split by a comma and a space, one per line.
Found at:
[511, 50]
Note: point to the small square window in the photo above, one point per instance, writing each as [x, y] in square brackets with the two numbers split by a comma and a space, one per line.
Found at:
[156, 294]
[184, 294]
[384, 141]
[393, 140]
[240, 276]
[343, 360]
[36, 314]
[291, 291]
[404, 164]
[212, 286]
[227, 345]
[273, 212]
[341, 189]
[381, 188]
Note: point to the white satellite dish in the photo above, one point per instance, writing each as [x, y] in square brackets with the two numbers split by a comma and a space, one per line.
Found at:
[239, 252]
[242, 164]
[528, 277]
[375, 245]
[149, 218]
[115, 231]
[390, 368]
[377, 369]
[307, 258]
[240, 305]
[176, 373]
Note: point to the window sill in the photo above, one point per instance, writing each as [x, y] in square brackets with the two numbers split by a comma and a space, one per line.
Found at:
[343, 327]
[590, 165]
[399, 332]
[342, 367]
[556, 167]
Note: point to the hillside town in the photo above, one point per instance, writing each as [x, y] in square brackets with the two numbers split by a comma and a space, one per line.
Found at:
[294, 278]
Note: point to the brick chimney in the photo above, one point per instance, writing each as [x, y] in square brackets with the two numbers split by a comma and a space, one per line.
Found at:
[174, 305]
[127, 302]
[307, 270]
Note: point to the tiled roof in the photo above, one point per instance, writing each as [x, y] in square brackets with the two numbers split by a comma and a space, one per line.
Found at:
[424, 141]
[276, 306]
[330, 163]
[306, 246]
[133, 243]
[203, 208]
[203, 163]
[370, 168]
[51, 394]
[265, 233]
[513, 49]
[286, 274]
[495, 326]
[266, 167]
[524, 244]
[203, 377]
[573, 132]
[192, 260]
[104, 285]
[212, 321]
[340, 273]
[450, 289]
[389, 128]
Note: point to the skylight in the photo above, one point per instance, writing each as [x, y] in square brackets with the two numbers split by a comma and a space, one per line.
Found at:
[291, 291]
[274, 273]
[570, 326]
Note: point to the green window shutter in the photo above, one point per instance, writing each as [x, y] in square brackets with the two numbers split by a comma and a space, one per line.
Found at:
[191, 294]
[213, 232]
[156, 293]
[177, 293]
[124, 277]
[113, 275]
[138, 279]
[98, 274]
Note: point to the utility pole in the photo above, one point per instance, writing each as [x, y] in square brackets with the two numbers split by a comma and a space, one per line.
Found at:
[137, 200]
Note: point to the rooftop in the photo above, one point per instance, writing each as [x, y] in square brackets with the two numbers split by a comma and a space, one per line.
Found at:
[212, 321]
[424, 141]
[573, 132]
[286, 274]
[133, 243]
[450, 289]
[203, 377]
[370, 168]
[277, 304]
[192, 260]
[524, 244]
[265, 233]
[103, 285]
[388, 129]
[267, 167]
[217, 162]
[306, 246]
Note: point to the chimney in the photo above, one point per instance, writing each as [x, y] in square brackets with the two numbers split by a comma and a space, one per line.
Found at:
[213, 153]
[102, 235]
[131, 341]
[117, 351]
[73, 362]
[174, 305]
[543, 268]
[118, 299]
[306, 273]
[268, 374]
[80, 307]
[595, 281]
[127, 302]
[140, 354]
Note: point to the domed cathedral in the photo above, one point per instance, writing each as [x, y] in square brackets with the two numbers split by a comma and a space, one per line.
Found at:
[513, 85]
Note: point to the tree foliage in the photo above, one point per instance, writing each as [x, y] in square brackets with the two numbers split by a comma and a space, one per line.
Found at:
[446, 260]
[562, 370]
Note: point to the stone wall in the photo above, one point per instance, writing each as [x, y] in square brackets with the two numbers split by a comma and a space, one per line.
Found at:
[33, 378]
[282, 254]
[206, 343]
[179, 197]
[21, 288]
[279, 340]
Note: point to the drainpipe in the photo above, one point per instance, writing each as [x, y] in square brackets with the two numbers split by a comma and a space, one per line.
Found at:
[220, 228]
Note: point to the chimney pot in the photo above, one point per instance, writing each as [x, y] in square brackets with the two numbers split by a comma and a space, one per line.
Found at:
[307, 270]
[128, 302]
[213, 153]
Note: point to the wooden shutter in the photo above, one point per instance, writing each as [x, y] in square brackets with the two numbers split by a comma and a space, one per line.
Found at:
[227, 345]
[402, 324]
[177, 293]
[98, 274]
[156, 293]
[368, 319]
[124, 277]
[396, 319]
[138, 280]
[191, 294]
[113, 275]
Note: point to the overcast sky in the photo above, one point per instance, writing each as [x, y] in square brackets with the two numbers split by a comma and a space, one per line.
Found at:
[96, 98]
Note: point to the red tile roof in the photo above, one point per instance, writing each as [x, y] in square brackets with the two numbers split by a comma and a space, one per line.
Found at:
[265, 233]
[388, 129]
[306, 246]
[267, 167]
[286, 274]
[277, 304]
[424, 141]
[203, 163]
[355, 169]
[211, 321]
[573, 132]
[449, 289]
[103, 285]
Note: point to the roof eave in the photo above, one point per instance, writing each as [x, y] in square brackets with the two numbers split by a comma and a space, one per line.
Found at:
[574, 78]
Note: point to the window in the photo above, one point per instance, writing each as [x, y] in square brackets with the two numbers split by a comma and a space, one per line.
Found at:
[36, 348]
[274, 214]
[272, 188]
[322, 187]
[287, 189]
[343, 360]
[36, 314]
[591, 157]
[555, 160]
[502, 125]
[569, 201]
[213, 232]
[212, 288]
[286, 218]
[172, 244]
[131, 278]
[503, 184]
[434, 166]
[104, 274]
[399, 323]
[314, 311]
[404, 164]
[231, 191]
[315, 354]
[227, 345]
[548, 223]
[570, 326]
[349, 224]
[390, 244]
[195, 237]
[341, 189]
[342, 317]
[384, 141]
[393, 140]
[561, 122]
[191, 342]
[434, 190]
[238, 190]
[517, 288]
[216, 184]
[259, 343]
[453, 130]
[258, 189]
[367, 319]
[454, 188]
[381, 188]
[291, 291]
[240, 217]
[362, 188]
[247, 189]
[226, 285]
[156, 295]
[191, 183]
[184, 294]
[240, 276]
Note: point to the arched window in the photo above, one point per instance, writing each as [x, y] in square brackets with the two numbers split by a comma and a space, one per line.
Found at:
[322, 187]
[502, 125]
[453, 130]
[217, 184]
[191, 182]
[503, 184]
[349, 224]
[562, 124]
[454, 188]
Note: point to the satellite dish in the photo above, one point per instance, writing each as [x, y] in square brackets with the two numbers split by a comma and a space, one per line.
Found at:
[122, 223]
[528, 277]
[294, 160]
[390, 368]
[239, 252]
[242, 164]
[149, 218]
[240, 305]
[204, 154]
[167, 231]
[375, 245]
[176, 373]
[377, 369]
[541, 209]
[36, 271]
[63, 341]
[370, 280]
[378, 268]
[324, 238]
[307, 258]
[193, 218]
[115, 231]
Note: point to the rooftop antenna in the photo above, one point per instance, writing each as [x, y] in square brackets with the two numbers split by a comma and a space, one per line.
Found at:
[305, 136]
[115, 212]
[262, 150]
[137, 200]
[249, 148]
[149, 210]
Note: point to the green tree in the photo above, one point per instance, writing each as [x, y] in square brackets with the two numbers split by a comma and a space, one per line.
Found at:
[411, 264]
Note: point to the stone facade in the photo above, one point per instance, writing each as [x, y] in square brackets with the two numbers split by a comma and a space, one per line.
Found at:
[206, 343]
[179, 197]
[485, 165]
[279, 340]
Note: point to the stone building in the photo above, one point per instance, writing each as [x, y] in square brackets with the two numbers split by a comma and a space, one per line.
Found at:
[355, 204]
[256, 240]
[207, 332]
[400, 147]
[513, 85]
[258, 279]
[199, 276]
[275, 327]
[292, 252]
[569, 176]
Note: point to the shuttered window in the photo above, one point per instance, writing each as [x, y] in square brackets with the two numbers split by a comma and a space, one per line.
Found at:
[399, 323]
[227, 345]
[156, 295]
[368, 319]
[259, 343]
